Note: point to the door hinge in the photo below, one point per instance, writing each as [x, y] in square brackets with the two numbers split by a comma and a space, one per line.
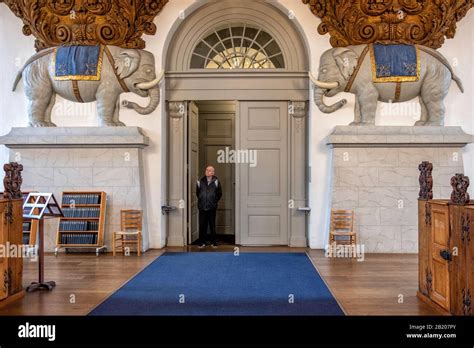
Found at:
[427, 214]
[429, 281]
[7, 281]
[9, 213]
[465, 228]
[466, 301]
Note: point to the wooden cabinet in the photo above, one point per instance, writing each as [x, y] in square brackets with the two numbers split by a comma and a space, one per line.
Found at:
[446, 255]
[11, 264]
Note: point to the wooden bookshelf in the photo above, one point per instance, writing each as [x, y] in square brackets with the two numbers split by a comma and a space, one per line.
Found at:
[83, 224]
[30, 227]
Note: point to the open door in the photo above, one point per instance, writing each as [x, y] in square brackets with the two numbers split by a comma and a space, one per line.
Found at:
[193, 171]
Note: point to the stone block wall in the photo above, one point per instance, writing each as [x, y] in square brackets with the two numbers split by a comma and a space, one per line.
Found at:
[377, 177]
[103, 160]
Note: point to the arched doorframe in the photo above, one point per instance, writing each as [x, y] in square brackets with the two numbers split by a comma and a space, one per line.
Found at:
[184, 85]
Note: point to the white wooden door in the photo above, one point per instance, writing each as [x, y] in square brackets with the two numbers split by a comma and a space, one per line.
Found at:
[262, 188]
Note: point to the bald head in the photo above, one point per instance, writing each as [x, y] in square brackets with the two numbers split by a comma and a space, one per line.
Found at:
[210, 171]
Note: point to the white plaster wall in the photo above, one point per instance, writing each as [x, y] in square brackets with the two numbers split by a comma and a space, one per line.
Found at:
[16, 48]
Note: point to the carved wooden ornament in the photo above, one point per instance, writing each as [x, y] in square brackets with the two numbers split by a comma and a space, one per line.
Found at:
[424, 22]
[425, 180]
[87, 22]
[12, 181]
[460, 183]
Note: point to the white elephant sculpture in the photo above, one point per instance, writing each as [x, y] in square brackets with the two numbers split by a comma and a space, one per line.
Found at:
[122, 70]
[350, 69]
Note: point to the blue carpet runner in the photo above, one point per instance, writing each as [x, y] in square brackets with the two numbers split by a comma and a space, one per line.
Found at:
[210, 283]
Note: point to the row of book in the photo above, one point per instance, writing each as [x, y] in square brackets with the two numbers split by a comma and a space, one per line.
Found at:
[26, 239]
[72, 199]
[27, 226]
[78, 238]
[81, 212]
[79, 226]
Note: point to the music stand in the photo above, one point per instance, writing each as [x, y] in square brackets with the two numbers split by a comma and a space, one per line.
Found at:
[38, 206]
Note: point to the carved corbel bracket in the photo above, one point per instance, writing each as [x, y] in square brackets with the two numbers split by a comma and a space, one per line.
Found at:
[420, 22]
[12, 181]
[425, 180]
[460, 184]
[86, 22]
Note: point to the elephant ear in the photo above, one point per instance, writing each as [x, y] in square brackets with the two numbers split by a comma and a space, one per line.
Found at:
[346, 61]
[127, 63]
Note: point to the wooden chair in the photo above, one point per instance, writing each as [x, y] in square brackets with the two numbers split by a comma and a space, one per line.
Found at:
[131, 226]
[342, 227]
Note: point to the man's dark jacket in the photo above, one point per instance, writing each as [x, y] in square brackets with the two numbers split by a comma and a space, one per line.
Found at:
[208, 195]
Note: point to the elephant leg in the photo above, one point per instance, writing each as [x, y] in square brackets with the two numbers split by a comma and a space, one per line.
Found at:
[37, 111]
[424, 114]
[357, 115]
[106, 111]
[49, 110]
[117, 115]
[368, 106]
[435, 111]
[433, 92]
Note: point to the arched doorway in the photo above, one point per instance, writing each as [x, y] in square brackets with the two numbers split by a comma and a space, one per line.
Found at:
[236, 85]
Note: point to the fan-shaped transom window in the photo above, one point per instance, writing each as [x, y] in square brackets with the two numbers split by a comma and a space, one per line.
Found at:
[238, 47]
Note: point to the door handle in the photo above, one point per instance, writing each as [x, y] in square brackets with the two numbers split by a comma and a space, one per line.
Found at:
[166, 209]
[307, 210]
[446, 255]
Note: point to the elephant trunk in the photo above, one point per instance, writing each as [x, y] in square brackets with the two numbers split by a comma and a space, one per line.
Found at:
[327, 109]
[154, 95]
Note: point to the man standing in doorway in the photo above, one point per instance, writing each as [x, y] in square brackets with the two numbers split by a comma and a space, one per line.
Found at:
[209, 192]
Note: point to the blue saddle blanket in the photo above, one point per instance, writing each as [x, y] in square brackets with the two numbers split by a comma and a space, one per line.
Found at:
[78, 63]
[395, 63]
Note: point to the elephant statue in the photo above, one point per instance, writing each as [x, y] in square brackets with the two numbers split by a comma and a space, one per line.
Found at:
[116, 71]
[350, 69]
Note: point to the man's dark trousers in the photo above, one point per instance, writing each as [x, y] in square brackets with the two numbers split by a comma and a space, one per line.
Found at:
[207, 218]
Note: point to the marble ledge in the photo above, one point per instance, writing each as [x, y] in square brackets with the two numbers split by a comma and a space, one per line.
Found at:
[398, 136]
[75, 137]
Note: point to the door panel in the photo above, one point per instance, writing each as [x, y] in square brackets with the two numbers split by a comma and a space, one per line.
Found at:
[217, 129]
[263, 190]
[440, 267]
[193, 171]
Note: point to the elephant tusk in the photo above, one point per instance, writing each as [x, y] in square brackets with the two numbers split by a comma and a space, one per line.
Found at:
[151, 84]
[323, 85]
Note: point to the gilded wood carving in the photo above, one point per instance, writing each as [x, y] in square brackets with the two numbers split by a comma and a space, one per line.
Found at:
[460, 184]
[425, 180]
[12, 180]
[423, 22]
[87, 22]
[123, 22]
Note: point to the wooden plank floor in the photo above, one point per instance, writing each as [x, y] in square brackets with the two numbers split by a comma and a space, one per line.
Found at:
[371, 287]
[374, 286]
